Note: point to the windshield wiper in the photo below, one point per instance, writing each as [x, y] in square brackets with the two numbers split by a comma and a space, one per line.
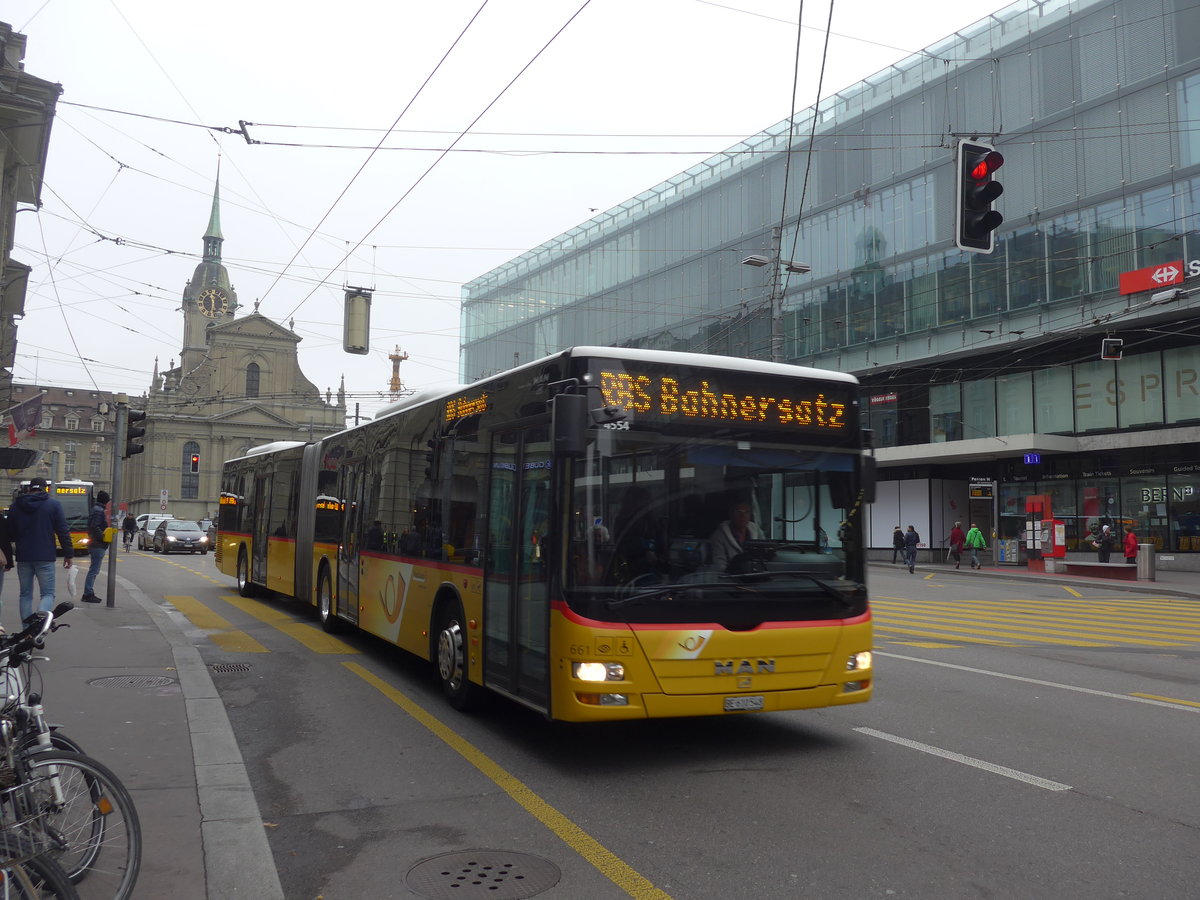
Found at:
[767, 575]
[651, 593]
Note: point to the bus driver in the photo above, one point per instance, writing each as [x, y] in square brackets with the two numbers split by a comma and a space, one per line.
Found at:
[731, 535]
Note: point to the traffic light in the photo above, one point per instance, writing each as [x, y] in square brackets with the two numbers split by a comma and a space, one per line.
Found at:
[134, 431]
[195, 463]
[975, 220]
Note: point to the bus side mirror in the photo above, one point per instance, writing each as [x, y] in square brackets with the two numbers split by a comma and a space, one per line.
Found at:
[569, 418]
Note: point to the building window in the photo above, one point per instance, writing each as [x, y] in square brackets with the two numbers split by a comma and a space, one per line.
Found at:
[97, 424]
[47, 420]
[189, 482]
[252, 374]
[94, 466]
[72, 423]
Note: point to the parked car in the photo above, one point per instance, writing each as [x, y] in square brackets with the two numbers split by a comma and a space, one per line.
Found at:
[147, 523]
[177, 535]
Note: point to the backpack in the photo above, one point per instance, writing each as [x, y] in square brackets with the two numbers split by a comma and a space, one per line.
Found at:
[96, 527]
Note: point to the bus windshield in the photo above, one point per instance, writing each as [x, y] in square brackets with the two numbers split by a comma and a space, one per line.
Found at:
[738, 532]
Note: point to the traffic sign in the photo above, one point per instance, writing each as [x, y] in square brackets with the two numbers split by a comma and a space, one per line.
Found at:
[1152, 277]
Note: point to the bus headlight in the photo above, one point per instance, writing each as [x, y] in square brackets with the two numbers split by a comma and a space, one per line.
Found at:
[598, 671]
[858, 661]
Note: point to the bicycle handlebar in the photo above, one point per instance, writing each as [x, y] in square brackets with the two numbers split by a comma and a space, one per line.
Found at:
[32, 635]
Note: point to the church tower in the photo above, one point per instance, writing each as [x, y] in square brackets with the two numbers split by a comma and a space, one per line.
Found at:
[209, 297]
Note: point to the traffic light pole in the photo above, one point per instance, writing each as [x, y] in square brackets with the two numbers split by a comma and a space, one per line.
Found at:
[118, 467]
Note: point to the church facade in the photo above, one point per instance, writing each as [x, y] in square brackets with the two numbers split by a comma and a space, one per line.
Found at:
[237, 384]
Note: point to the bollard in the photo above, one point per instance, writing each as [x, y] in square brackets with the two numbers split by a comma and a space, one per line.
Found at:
[1145, 562]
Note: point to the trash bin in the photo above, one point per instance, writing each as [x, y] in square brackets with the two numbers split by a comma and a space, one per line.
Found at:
[1145, 562]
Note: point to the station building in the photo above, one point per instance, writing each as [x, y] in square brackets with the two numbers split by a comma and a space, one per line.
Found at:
[984, 376]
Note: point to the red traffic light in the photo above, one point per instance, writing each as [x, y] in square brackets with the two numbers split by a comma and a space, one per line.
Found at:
[985, 167]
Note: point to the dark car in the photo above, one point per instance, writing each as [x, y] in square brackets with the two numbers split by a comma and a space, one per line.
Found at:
[177, 535]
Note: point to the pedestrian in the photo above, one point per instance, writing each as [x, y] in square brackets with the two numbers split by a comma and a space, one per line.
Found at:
[129, 527]
[1130, 545]
[911, 539]
[957, 539]
[6, 550]
[97, 545]
[975, 541]
[35, 520]
[1103, 542]
[897, 544]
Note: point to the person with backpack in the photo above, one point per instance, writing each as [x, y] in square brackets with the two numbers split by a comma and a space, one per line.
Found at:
[35, 520]
[897, 544]
[129, 527]
[976, 542]
[911, 540]
[97, 545]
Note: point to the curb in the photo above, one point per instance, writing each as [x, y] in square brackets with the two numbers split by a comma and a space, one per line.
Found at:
[237, 854]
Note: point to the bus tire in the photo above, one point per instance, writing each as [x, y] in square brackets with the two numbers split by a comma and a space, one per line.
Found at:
[452, 659]
[245, 588]
[326, 605]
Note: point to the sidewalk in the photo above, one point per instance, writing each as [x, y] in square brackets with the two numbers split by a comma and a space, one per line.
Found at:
[128, 685]
[1166, 583]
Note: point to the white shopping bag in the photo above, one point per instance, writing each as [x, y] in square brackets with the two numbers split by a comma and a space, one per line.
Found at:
[71, 576]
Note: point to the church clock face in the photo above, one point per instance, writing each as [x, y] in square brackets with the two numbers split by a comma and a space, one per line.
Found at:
[213, 302]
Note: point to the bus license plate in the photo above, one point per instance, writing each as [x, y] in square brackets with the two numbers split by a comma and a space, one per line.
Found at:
[734, 704]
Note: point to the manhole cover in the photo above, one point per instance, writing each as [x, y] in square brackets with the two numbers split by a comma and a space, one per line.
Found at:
[132, 681]
[231, 667]
[482, 873]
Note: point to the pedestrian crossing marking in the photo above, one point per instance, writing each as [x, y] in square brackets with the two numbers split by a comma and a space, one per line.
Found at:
[1064, 621]
[311, 637]
[222, 631]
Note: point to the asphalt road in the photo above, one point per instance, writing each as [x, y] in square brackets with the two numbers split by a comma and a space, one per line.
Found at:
[1025, 741]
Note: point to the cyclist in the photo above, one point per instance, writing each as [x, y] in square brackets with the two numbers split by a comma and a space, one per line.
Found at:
[129, 528]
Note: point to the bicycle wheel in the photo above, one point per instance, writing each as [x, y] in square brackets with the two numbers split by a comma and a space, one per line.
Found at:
[31, 877]
[90, 819]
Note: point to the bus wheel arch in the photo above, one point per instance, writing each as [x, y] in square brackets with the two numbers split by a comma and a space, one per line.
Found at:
[450, 651]
[326, 605]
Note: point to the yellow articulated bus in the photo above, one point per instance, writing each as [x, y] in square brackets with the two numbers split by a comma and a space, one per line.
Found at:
[603, 534]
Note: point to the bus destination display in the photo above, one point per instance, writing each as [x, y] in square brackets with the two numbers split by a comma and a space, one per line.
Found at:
[729, 398]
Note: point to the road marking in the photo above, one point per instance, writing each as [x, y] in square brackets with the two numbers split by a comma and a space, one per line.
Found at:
[308, 635]
[1014, 774]
[1166, 699]
[1054, 684]
[607, 862]
[221, 631]
[1072, 591]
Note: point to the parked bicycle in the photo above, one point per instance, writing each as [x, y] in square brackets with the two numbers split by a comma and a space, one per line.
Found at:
[64, 804]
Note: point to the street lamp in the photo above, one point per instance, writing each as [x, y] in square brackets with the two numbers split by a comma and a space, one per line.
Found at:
[775, 297]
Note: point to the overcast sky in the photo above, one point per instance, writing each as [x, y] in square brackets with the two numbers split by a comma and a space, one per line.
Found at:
[610, 97]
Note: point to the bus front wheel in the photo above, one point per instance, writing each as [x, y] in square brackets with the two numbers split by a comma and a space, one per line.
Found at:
[451, 659]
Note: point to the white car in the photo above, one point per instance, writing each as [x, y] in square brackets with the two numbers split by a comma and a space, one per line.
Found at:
[147, 522]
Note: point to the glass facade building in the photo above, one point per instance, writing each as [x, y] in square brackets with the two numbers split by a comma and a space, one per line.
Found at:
[978, 369]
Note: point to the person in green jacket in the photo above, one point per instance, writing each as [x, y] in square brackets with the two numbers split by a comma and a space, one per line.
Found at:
[975, 542]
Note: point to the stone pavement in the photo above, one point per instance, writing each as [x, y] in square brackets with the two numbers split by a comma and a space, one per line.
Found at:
[130, 686]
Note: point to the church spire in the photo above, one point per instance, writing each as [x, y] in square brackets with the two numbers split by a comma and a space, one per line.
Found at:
[213, 237]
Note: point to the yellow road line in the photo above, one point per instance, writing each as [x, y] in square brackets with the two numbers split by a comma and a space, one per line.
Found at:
[224, 635]
[608, 863]
[311, 637]
[1166, 699]
[1072, 591]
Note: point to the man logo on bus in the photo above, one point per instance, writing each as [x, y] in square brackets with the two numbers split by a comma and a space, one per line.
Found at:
[389, 598]
[744, 667]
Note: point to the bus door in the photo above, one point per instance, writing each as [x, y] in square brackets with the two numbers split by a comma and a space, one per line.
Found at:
[516, 593]
[350, 489]
[259, 532]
